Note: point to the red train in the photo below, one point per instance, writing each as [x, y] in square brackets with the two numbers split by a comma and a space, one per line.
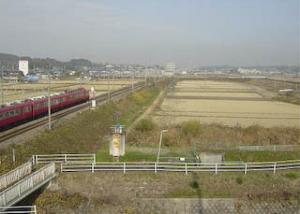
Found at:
[18, 112]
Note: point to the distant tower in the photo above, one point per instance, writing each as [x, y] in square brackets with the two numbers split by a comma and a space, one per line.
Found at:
[23, 66]
[170, 67]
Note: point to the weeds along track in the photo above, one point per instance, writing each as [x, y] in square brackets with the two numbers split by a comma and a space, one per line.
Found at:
[6, 135]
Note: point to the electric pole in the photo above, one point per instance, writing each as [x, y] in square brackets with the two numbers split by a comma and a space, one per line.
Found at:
[49, 102]
[2, 92]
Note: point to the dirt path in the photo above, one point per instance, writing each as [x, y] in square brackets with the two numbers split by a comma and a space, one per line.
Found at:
[150, 109]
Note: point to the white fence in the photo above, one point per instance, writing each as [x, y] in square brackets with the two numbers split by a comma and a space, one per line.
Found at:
[19, 209]
[27, 185]
[64, 158]
[15, 175]
[270, 148]
[182, 167]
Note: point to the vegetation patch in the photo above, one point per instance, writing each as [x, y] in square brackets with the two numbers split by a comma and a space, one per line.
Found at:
[145, 125]
[292, 175]
[86, 132]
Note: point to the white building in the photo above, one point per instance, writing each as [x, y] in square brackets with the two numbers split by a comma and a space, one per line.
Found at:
[23, 66]
[170, 67]
[248, 71]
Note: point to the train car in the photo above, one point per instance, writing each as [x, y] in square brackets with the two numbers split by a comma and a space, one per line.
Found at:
[18, 112]
[59, 101]
[15, 113]
[76, 96]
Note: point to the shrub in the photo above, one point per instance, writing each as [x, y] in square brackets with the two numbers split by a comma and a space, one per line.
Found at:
[292, 175]
[194, 185]
[191, 128]
[145, 125]
[239, 180]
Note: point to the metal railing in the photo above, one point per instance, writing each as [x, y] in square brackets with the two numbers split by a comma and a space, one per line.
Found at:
[15, 175]
[181, 167]
[24, 187]
[270, 148]
[64, 158]
[19, 209]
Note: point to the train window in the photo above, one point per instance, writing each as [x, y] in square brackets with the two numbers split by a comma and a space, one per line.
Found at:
[17, 111]
[1, 116]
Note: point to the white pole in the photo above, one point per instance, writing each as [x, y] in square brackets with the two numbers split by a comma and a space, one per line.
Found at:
[49, 103]
[14, 156]
[159, 145]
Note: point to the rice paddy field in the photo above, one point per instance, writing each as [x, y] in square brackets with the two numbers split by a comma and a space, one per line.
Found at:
[227, 103]
[20, 91]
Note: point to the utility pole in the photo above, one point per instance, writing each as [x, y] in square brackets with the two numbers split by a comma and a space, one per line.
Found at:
[159, 145]
[146, 77]
[132, 81]
[49, 102]
[2, 92]
[108, 87]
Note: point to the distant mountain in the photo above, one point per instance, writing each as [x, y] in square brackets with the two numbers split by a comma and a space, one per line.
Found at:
[8, 57]
[10, 60]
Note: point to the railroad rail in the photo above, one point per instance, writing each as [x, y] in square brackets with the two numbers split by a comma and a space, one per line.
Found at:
[60, 114]
[180, 167]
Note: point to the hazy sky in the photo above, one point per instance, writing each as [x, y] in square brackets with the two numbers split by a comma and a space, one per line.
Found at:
[188, 32]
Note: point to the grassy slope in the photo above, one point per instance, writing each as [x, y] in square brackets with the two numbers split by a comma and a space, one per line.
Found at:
[84, 133]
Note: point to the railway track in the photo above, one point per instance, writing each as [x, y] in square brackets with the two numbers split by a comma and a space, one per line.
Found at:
[6, 135]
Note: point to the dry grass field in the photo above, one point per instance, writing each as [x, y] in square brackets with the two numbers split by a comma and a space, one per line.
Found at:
[209, 106]
[20, 91]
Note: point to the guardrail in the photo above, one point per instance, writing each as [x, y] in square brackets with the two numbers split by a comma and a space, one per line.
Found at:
[182, 167]
[24, 187]
[19, 209]
[63, 158]
[15, 175]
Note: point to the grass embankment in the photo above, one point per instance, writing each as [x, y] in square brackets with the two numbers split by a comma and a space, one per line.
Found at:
[191, 137]
[84, 133]
[111, 192]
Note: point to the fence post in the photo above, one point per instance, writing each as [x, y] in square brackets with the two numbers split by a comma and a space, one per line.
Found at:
[124, 167]
[31, 181]
[5, 184]
[4, 199]
[33, 161]
[43, 173]
[34, 209]
[216, 170]
[155, 167]
[65, 158]
[274, 170]
[61, 167]
[186, 172]
[94, 158]
[19, 190]
[93, 167]
[246, 166]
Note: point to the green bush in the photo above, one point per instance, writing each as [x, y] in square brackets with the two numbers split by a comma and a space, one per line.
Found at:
[145, 125]
[194, 185]
[292, 175]
[191, 128]
[239, 180]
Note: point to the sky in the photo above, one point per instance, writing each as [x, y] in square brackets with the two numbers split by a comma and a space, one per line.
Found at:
[188, 32]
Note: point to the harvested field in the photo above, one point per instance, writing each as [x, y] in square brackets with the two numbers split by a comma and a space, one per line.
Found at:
[247, 108]
[19, 91]
[215, 94]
